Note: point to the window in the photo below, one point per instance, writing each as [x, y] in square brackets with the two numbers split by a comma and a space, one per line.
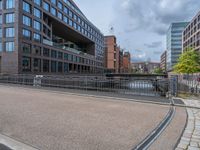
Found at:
[60, 55]
[53, 1]
[10, 4]
[65, 56]
[71, 23]
[38, 2]
[66, 67]
[26, 64]
[46, 6]
[60, 5]
[26, 21]
[59, 15]
[26, 33]
[37, 13]
[53, 66]
[26, 48]
[46, 52]
[1, 33]
[0, 19]
[1, 6]
[10, 32]
[10, 46]
[53, 54]
[53, 11]
[45, 65]
[26, 7]
[60, 67]
[36, 50]
[36, 37]
[36, 65]
[70, 13]
[65, 19]
[36, 25]
[10, 18]
[66, 10]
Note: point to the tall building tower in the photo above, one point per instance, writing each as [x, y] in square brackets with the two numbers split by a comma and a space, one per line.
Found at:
[191, 34]
[48, 37]
[174, 43]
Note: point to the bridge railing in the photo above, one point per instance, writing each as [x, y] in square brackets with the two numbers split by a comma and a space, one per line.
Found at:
[120, 85]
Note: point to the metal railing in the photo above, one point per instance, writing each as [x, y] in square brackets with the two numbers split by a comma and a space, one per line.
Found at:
[187, 83]
[120, 85]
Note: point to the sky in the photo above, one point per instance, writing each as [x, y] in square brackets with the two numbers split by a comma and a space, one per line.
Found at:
[139, 25]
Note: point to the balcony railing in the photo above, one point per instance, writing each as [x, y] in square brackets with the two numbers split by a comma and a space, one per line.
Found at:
[61, 46]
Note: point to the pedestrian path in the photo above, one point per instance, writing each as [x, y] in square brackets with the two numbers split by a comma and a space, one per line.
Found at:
[191, 136]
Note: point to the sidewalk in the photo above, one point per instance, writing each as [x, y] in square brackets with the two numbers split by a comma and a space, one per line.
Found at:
[191, 136]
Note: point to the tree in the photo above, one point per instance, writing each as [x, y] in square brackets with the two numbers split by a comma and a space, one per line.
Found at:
[188, 62]
[158, 71]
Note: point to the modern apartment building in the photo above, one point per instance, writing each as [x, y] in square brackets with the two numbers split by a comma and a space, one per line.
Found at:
[174, 43]
[48, 37]
[126, 62]
[191, 34]
[111, 54]
[163, 61]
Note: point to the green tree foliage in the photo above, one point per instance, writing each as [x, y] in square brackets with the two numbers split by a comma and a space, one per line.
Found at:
[158, 71]
[189, 62]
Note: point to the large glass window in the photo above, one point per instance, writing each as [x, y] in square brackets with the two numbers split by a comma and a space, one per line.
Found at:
[10, 18]
[60, 67]
[71, 23]
[65, 19]
[60, 5]
[1, 47]
[10, 46]
[53, 11]
[38, 2]
[26, 20]
[54, 54]
[46, 6]
[45, 65]
[10, 4]
[53, 1]
[26, 48]
[37, 37]
[26, 7]
[66, 10]
[60, 15]
[26, 64]
[26, 33]
[10, 32]
[37, 25]
[46, 52]
[53, 66]
[70, 13]
[37, 13]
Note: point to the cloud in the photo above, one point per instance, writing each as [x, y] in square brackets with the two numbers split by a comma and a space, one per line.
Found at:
[154, 44]
[155, 15]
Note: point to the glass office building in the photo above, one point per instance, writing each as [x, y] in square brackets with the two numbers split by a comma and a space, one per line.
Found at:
[48, 37]
[174, 43]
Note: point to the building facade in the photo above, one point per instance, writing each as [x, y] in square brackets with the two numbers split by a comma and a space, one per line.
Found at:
[126, 62]
[163, 61]
[111, 54]
[191, 34]
[145, 67]
[174, 43]
[48, 37]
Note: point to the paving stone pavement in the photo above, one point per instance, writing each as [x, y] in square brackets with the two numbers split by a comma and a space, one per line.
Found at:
[191, 136]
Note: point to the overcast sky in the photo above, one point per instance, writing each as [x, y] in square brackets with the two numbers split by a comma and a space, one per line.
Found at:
[139, 25]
